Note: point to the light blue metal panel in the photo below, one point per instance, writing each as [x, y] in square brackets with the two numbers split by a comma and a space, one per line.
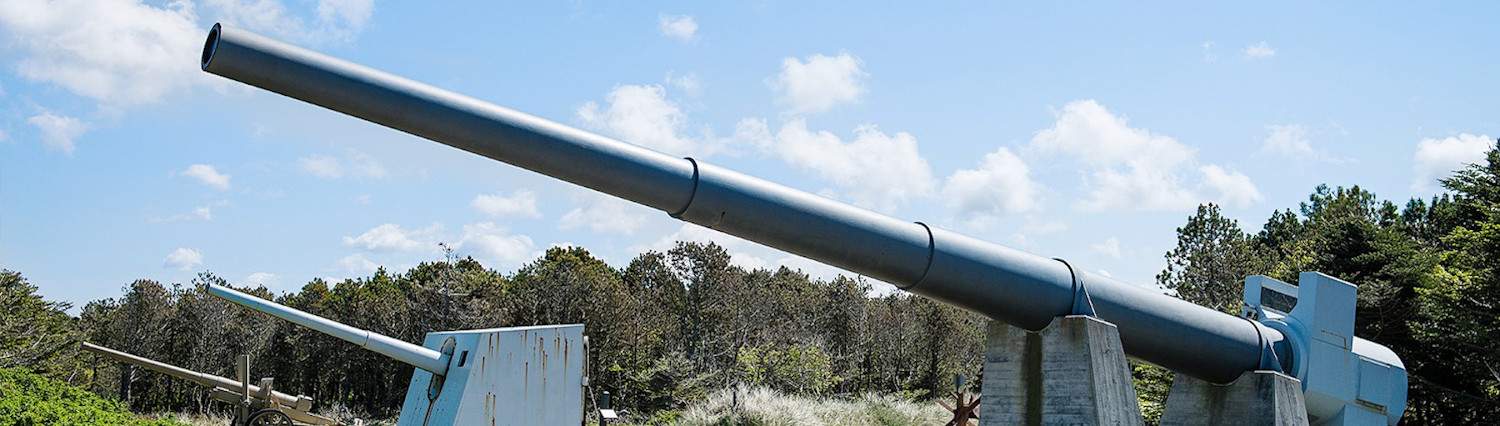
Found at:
[504, 376]
[1345, 379]
[1373, 392]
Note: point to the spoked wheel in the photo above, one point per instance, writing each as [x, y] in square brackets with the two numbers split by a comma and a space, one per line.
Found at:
[269, 417]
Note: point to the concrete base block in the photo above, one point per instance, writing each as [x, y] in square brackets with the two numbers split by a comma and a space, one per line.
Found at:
[1256, 398]
[1071, 373]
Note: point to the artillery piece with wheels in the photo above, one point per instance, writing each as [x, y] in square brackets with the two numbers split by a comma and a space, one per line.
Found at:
[501, 376]
[1057, 347]
[257, 404]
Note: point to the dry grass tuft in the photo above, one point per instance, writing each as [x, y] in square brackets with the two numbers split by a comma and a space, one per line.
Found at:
[760, 406]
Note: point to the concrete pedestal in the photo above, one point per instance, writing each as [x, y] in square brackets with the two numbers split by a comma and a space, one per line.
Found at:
[1256, 398]
[1071, 373]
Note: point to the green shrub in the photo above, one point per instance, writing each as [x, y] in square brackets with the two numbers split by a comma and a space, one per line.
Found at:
[31, 400]
[800, 369]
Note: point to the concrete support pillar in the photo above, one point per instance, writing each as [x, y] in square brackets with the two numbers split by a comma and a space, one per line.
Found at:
[1256, 398]
[1071, 373]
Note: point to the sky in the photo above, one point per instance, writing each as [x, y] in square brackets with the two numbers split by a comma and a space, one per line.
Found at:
[1086, 130]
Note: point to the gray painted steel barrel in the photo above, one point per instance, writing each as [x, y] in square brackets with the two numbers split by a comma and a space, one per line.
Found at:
[999, 282]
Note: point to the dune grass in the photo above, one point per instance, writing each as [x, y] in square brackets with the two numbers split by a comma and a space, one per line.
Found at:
[759, 406]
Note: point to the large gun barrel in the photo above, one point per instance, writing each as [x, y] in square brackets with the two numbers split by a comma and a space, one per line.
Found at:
[420, 357]
[201, 379]
[999, 282]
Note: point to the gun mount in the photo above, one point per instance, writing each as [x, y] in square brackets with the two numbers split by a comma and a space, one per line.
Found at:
[1004, 284]
[265, 406]
[506, 376]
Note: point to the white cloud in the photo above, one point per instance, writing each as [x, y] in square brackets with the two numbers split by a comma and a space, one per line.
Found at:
[876, 170]
[127, 52]
[351, 14]
[1131, 169]
[1439, 158]
[1001, 184]
[1228, 187]
[354, 164]
[1291, 141]
[1288, 140]
[58, 131]
[1110, 247]
[680, 27]
[184, 259]
[606, 214]
[687, 84]
[336, 21]
[267, 279]
[207, 175]
[754, 132]
[357, 264]
[1259, 51]
[520, 204]
[493, 245]
[321, 166]
[820, 83]
[119, 52]
[642, 115]
[390, 237]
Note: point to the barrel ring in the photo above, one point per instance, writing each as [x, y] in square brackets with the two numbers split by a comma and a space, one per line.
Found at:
[1082, 303]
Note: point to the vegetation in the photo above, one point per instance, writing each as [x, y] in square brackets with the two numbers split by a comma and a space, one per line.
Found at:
[672, 332]
[742, 406]
[28, 399]
[667, 330]
[1429, 285]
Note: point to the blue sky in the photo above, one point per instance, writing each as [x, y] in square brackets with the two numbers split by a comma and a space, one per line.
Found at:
[1086, 130]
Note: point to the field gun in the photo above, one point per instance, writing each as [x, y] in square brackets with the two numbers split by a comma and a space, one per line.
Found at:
[1345, 379]
[501, 376]
[259, 405]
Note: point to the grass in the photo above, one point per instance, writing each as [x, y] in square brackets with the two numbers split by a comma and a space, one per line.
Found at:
[759, 406]
[737, 407]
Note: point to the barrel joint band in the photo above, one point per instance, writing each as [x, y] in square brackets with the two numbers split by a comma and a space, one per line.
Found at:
[691, 195]
[931, 254]
[1082, 304]
[1268, 358]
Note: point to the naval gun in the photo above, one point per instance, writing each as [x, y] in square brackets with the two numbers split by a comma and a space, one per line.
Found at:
[1313, 341]
[501, 376]
[260, 404]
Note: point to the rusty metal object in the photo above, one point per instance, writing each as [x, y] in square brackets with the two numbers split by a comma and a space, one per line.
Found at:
[260, 400]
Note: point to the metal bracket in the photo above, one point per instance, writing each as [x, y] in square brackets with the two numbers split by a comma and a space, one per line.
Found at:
[1082, 304]
[1268, 358]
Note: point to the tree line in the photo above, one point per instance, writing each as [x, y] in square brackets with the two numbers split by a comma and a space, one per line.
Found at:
[665, 330]
[670, 327]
